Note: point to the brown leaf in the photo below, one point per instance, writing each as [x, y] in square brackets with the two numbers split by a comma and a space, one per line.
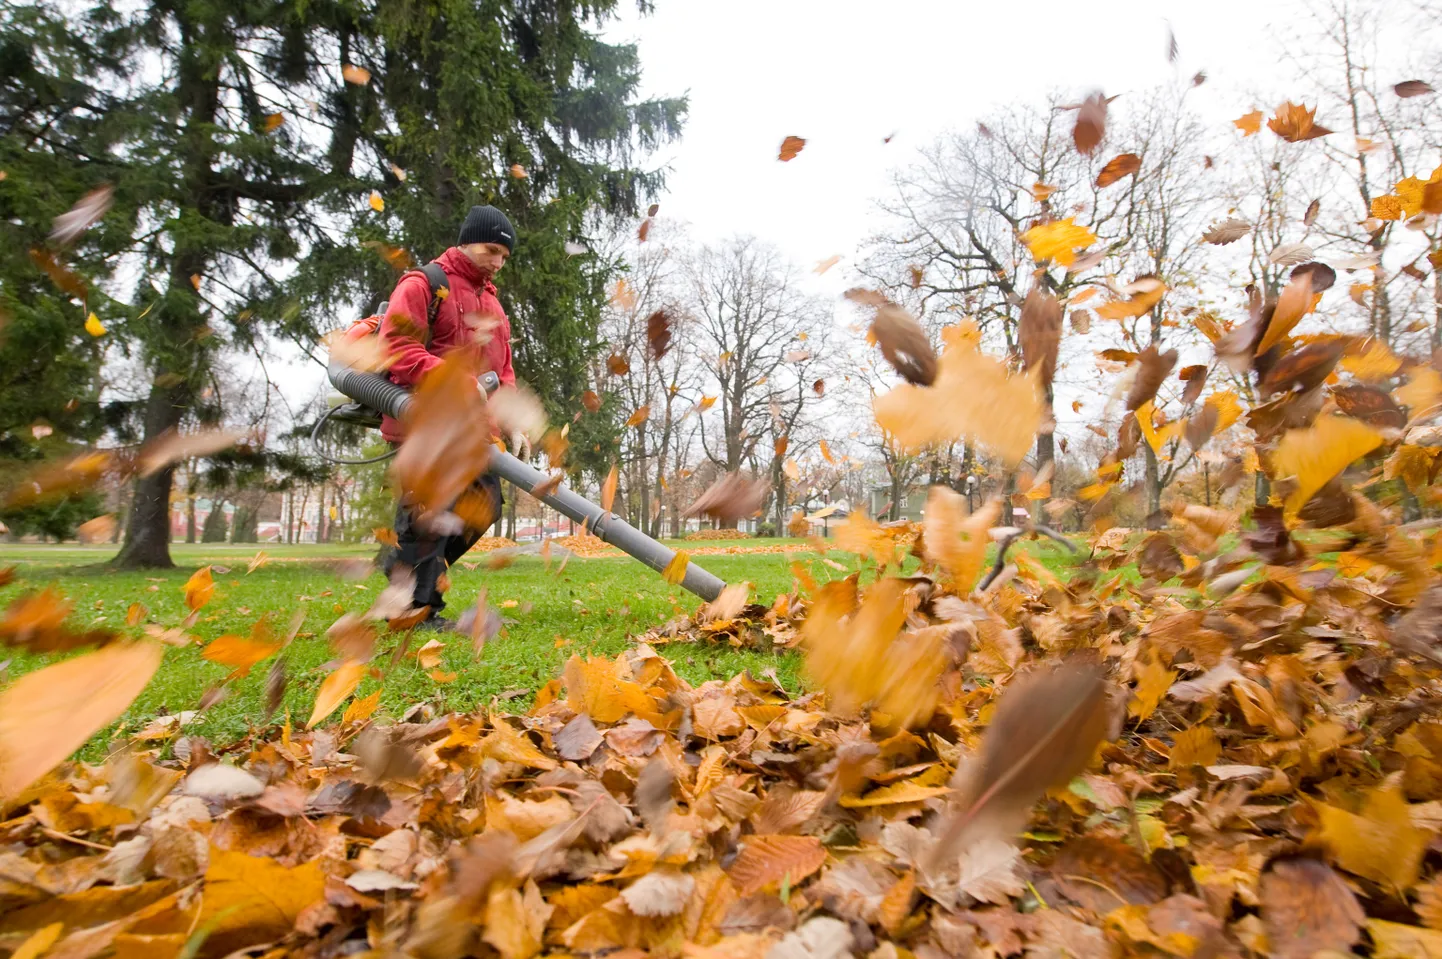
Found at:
[1310, 217]
[1039, 331]
[170, 447]
[1119, 166]
[444, 451]
[658, 333]
[1153, 369]
[1305, 368]
[1228, 231]
[1370, 405]
[578, 739]
[1412, 88]
[731, 497]
[47, 714]
[591, 401]
[1044, 731]
[1294, 123]
[1307, 909]
[1091, 123]
[901, 338]
[771, 859]
[790, 147]
[618, 364]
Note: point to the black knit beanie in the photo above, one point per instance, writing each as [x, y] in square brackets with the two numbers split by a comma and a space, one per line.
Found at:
[486, 224]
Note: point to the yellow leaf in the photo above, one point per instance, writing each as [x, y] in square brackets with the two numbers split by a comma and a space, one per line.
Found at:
[336, 687]
[199, 588]
[1197, 746]
[1386, 208]
[38, 941]
[1380, 844]
[1153, 681]
[771, 859]
[593, 688]
[1422, 392]
[93, 326]
[675, 570]
[1058, 240]
[973, 396]
[1227, 407]
[1373, 364]
[360, 710]
[274, 121]
[1411, 464]
[510, 926]
[1314, 455]
[955, 540]
[248, 900]
[1409, 194]
[377, 202]
[928, 785]
[503, 743]
[1250, 123]
[826, 453]
[1394, 940]
[47, 714]
[792, 471]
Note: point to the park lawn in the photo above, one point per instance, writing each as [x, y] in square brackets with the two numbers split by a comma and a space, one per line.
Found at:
[591, 607]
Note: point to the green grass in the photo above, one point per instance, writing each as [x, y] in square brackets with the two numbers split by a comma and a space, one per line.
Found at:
[592, 607]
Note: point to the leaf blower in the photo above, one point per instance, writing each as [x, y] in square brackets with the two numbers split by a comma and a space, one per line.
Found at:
[373, 395]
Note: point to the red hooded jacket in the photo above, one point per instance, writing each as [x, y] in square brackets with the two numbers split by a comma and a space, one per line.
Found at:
[470, 317]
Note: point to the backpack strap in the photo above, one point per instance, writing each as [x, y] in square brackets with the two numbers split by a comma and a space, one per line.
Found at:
[440, 289]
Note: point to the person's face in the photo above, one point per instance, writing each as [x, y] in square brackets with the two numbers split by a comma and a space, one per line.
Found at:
[488, 257]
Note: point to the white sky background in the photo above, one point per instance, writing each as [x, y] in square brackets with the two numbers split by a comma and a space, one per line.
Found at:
[846, 74]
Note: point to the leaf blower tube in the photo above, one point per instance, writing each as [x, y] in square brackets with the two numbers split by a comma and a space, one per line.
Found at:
[379, 393]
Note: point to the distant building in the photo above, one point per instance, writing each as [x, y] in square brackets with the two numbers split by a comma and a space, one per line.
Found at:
[879, 502]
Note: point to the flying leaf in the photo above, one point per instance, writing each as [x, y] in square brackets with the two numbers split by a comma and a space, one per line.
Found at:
[823, 265]
[1310, 216]
[376, 201]
[1119, 166]
[659, 326]
[170, 447]
[1058, 241]
[790, 147]
[955, 540]
[444, 451]
[359, 76]
[974, 396]
[518, 172]
[902, 341]
[1313, 456]
[640, 416]
[1091, 123]
[273, 122]
[1044, 731]
[341, 682]
[199, 588]
[731, 497]
[675, 570]
[1228, 231]
[1412, 88]
[93, 325]
[68, 226]
[1295, 123]
[49, 713]
[608, 489]
[591, 401]
[1249, 123]
[1039, 331]
[1290, 254]
[623, 296]
[239, 652]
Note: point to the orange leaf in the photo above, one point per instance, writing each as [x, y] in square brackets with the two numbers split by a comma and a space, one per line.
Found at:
[238, 652]
[336, 687]
[199, 588]
[47, 714]
[1250, 123]
[608, 489]
[1119, 166]
[790, 147]
[641, 415]
[767, 859]
[361, 709]
[360, 76]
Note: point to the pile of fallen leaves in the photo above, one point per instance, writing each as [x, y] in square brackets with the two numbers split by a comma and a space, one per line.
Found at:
[487, 543]
[586, 545]
[714, 534]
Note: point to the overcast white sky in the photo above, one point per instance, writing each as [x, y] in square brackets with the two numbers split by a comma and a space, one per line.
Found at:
[846, 74]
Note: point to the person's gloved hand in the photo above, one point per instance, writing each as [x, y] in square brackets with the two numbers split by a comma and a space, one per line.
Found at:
[519, 445]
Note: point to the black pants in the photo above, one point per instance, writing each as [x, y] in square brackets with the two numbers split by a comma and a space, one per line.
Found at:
[429, 554]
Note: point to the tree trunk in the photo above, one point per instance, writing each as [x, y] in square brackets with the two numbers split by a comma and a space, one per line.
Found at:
[1154, 488]
[147, 532]
[1008, 489]
[511, 514]
[190, 517]
[1261, 490]
[778, 491]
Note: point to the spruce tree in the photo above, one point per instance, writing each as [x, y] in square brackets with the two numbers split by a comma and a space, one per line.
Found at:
[244, 163]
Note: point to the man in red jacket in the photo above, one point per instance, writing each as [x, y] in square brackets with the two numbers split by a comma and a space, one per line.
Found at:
[469, 317]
